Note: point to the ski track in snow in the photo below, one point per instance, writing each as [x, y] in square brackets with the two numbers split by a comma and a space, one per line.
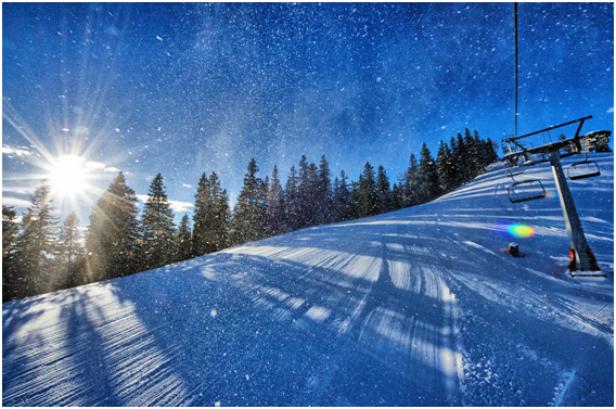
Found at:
[416, 307]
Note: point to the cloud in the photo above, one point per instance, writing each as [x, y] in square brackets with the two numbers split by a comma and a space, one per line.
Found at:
[176, 205]
[610, 110]
[15, 151]
[15, 202]
[180, 206]
[187, 185]
[95, 165]
[100, 166]
[22, 190]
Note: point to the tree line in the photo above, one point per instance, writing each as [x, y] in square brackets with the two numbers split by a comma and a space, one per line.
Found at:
[39, 255]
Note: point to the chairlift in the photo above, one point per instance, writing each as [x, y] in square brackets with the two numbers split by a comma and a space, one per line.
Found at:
[583, 169]
[525, 190]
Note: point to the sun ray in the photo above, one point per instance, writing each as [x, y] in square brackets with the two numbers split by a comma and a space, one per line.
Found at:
[17, 123]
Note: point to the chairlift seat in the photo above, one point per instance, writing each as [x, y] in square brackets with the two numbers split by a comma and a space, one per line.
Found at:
[583, 169]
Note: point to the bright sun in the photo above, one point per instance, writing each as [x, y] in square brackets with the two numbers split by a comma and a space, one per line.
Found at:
[68, 175]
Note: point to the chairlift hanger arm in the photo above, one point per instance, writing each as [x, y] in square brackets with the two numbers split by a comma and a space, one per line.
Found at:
[576, 137]
[579, 128]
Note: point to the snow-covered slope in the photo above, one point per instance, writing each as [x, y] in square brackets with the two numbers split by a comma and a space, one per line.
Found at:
[415, 307]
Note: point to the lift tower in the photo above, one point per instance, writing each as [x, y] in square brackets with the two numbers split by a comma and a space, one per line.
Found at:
[583, 261]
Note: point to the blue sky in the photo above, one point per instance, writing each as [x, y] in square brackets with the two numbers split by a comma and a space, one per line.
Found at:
[186, 88]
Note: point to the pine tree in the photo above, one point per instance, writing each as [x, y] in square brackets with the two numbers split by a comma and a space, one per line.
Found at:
[397, 193]
[471, 168]
[308, 192]
[342, 198]
[291, 199]
[355, 204]
[276, 206]
[412, 173]
[461, 159]
[445, 168]
[199, 233]
[247, 214]
[11, 282]
[36, 244]
[427, 185]
[313, 194]
[367, 192]
[477, 154]
[212, 217]
[303, 193]
[158, 227]
[114, 241]
[455, 162]
[70, 253]
[217, 216]
[183, 241]
[335, 213]
[384, 199]
[262, 206]
[490, 155]
[224, 218]
[324, 193]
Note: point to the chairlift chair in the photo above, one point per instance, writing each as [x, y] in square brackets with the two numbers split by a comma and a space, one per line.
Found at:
[583, 169]
[526, 190]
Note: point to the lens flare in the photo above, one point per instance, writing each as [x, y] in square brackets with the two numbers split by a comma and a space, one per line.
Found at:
[521, 230]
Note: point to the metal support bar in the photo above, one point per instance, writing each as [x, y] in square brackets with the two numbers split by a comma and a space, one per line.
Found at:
[578, 145]
[550, 128]
[584, 258]
[516, 64]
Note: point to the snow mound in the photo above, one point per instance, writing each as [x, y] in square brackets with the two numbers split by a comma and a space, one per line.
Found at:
[420, 306]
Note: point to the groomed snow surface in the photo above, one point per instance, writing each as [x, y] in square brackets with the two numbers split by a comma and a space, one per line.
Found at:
[416, 307]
